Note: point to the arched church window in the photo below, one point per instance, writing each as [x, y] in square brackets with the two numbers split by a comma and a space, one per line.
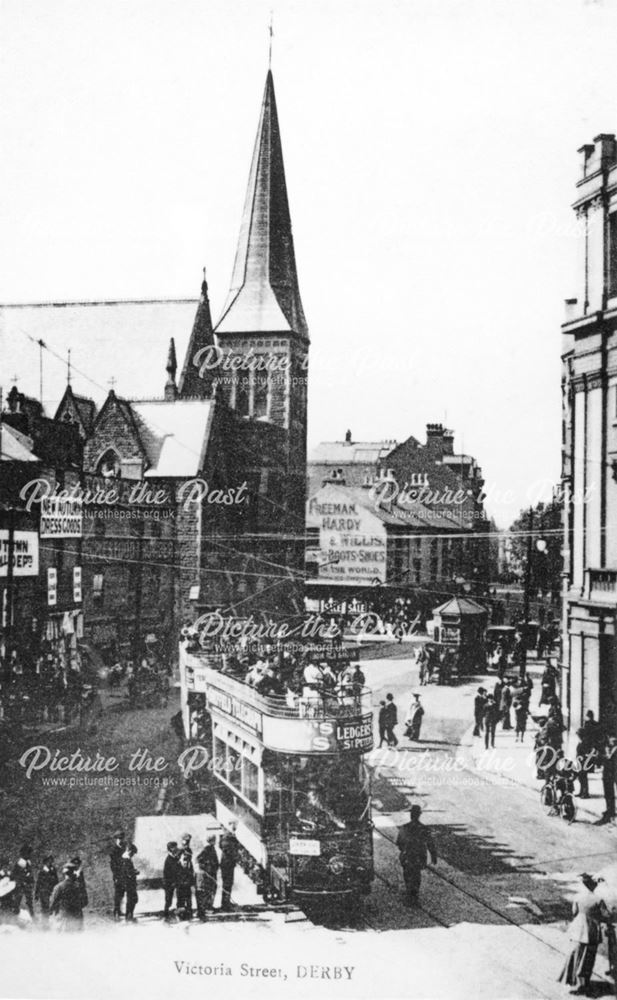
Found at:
[243, 394]
[109, 465]
[260, 395]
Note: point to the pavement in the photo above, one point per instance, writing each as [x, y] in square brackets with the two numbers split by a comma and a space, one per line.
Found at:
[515, 762]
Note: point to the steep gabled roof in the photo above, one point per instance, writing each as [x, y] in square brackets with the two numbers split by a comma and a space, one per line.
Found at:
[264, 296]
[192, 385]
[83, 407]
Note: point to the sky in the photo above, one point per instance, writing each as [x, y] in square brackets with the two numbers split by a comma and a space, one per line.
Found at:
[430, 152]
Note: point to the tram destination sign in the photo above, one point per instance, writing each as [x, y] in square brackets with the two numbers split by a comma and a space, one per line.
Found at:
[302, 846]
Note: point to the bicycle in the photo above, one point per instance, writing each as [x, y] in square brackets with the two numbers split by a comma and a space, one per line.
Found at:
[557, 797]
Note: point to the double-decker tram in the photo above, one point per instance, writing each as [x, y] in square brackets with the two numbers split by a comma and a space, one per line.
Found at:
[289, 772]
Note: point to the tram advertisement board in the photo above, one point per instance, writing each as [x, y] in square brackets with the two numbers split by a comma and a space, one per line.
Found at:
[239, 710]
[354, 732]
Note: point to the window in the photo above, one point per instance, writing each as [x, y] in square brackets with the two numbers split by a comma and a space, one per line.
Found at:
[260, 395]
[250, 779]
[234, 768]
[97, 586]
[242, 386]
[612, 254]
[109, 465]
[234, 762]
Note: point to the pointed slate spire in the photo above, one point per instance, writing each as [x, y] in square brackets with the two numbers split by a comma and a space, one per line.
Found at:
[171, 368]
[264, 296]
[192, 384]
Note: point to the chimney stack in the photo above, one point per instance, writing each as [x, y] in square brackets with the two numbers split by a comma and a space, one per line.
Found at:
[434, 441]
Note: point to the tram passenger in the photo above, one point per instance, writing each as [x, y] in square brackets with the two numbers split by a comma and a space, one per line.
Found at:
[311, 691]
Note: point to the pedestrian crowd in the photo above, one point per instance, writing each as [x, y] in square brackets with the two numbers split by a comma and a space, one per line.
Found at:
[436, 664]
[49, 899]
[596, 750]
[195, 879]
[48, 690]
[507, 702]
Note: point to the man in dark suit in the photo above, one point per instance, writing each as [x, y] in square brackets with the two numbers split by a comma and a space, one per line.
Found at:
[205, 877]
[46, 882]
[171, 870]
[415, 843]
[478, 711]
[115, 863]
[391, 719]
[230, 847]
[491, 716]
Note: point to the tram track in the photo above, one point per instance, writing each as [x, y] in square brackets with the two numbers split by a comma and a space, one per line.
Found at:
[365, 922]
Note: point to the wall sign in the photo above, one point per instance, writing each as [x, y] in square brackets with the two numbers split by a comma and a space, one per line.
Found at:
[61, 518]
[25, 552]
[52, 587]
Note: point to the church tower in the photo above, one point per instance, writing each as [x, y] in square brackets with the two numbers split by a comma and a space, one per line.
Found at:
[262, 322]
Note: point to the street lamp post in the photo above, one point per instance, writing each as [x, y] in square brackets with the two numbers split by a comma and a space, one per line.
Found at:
[541, 547]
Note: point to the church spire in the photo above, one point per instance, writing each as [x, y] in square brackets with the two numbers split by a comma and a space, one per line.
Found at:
[192, 384]
[264, 296]
[171, 368]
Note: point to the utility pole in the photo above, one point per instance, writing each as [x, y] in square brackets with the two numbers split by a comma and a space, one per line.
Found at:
[137, 644]
[526, 593]
[10, 582]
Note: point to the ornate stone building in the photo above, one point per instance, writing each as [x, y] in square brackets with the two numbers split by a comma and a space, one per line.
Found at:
[589, 466]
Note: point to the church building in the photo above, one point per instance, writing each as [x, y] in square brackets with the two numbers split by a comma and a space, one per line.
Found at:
[223, 449]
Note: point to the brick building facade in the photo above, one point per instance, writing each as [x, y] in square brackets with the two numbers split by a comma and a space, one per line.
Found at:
[42, 609]
[429, 499]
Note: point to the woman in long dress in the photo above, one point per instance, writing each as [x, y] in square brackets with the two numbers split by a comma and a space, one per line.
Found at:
[413, 719]
[585, 931]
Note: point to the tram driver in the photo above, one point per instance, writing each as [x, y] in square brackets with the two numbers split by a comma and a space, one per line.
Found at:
[314, 813]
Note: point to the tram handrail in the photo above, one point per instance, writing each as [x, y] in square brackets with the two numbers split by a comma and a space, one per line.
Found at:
[313, 703]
